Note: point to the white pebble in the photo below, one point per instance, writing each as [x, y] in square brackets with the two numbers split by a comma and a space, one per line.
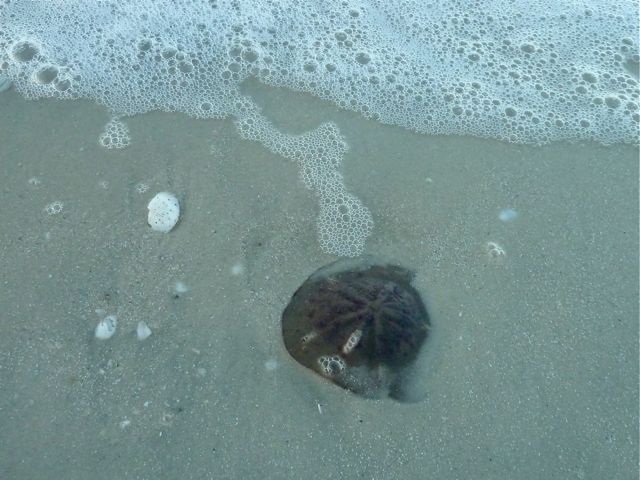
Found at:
[164, 211]
[107, 327]
[508, 214]
[143, 331]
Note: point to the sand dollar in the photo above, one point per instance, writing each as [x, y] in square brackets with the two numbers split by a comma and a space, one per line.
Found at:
[358, 324]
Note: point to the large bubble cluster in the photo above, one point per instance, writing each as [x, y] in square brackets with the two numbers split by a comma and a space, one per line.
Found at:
[344, 223]
[525, 72]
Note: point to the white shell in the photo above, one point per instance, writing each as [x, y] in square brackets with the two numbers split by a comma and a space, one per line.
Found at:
[164, 211]
[143, 331]
[107, 327]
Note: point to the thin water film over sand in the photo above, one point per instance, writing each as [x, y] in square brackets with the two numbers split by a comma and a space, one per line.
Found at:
[531, 353]
[151, 243]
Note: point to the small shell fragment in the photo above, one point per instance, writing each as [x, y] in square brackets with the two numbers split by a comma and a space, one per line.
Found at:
[143, 331]
[107, 327]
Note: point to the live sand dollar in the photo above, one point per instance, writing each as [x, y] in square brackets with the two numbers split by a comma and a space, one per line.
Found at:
[358, 324]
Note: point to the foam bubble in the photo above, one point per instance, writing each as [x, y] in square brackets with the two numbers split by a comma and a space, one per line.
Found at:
[331, 365]
[54, 208]
[495, 250]
[141, 187]
[23, 51]
[115, 134]
[46, 74]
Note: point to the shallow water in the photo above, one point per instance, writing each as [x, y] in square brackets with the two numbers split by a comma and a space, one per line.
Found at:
[531, 371]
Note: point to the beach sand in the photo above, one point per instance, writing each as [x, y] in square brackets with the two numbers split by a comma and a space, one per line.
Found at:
[531, 370]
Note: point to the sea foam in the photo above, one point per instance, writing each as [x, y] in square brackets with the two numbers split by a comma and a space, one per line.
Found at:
[526, 72]
[533, 71]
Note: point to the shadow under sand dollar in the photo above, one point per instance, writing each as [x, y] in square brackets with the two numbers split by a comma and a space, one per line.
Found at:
[360, 325]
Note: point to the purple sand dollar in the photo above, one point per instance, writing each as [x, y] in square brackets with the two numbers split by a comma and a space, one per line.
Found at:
[359, 325]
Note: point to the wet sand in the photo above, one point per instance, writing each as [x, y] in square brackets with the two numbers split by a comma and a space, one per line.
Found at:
[531, 371]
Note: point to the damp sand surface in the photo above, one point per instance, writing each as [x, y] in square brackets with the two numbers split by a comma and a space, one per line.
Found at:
[531, 370]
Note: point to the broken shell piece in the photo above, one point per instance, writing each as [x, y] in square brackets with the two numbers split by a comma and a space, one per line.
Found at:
[164, 211]
[107, 327]
[143, 331]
